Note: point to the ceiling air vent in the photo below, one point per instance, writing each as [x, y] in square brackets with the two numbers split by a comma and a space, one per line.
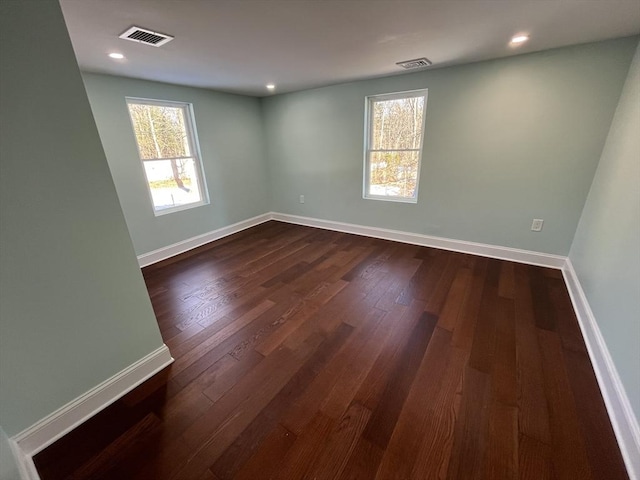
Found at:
[148, 37]
[415, 63]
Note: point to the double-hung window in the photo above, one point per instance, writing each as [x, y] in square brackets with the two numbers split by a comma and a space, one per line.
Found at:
[167, 144]
[394, 134]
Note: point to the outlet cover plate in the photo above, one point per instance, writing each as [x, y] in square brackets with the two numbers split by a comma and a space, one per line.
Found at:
[536, 225]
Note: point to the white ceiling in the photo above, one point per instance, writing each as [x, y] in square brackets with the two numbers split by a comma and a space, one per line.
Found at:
[241, 45]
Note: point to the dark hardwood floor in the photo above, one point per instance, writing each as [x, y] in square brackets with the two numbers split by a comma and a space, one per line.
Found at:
[309, 354]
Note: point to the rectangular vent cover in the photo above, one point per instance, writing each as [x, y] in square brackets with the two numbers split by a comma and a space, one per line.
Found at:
[415, 63]
[148, 37]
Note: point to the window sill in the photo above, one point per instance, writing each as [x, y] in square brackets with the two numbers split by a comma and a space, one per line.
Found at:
[391, 199]
[181, 208]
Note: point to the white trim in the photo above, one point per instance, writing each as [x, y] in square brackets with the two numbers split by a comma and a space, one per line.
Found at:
[169, 251]
[481, 249]
[26, 467]
[194, 148]
[43, 433]
[368, 138]
[624, 422]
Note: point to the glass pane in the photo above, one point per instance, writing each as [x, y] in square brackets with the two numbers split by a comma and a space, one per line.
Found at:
[172, 182]
[393, 174]
[160, 131]
[397, 124]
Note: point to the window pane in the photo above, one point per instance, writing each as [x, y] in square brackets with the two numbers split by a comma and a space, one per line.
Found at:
[172, 182]
[393, 174]
[160, 131]
[397, 124]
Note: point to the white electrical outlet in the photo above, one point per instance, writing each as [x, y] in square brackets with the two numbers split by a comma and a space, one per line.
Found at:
[301, 198]
[536, 225]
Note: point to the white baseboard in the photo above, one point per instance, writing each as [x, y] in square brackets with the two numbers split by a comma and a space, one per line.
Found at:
[624, 422]
[26, 467]
[43, 433]
[481, 249]
[169, 251]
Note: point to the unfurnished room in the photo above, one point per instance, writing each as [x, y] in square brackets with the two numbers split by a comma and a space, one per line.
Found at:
[319, 239]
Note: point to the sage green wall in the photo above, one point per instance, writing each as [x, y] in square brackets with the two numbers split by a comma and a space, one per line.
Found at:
[73, 305]
[506, 141]
[231, 142]
[606, 249]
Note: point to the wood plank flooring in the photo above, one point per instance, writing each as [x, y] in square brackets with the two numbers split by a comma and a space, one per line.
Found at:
[309, 354]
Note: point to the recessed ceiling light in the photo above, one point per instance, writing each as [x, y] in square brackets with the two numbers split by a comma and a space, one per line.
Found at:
[271, 86]
[117, 56]
[519, 39]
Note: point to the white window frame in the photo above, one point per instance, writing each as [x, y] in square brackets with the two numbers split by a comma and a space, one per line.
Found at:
[194, 148]
[368, 138]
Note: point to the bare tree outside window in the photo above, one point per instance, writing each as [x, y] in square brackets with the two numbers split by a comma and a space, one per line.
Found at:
[395, 126]
[165, 136]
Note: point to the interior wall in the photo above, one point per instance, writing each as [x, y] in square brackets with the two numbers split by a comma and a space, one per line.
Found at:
[606, 249]
[231, 143]
[74, 309]
[506, 141]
